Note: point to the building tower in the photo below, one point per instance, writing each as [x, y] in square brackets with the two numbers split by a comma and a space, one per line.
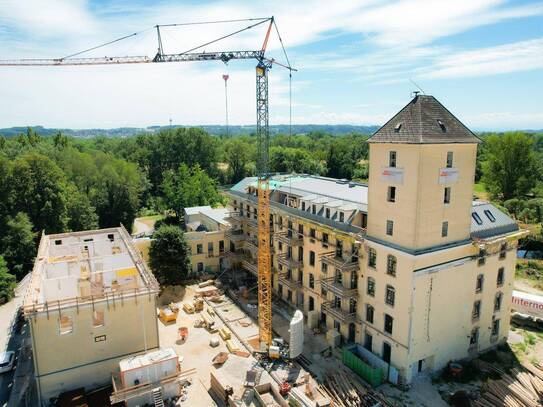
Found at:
[422, 166]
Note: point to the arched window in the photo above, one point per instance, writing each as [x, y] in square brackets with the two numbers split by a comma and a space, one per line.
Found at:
[390, 295]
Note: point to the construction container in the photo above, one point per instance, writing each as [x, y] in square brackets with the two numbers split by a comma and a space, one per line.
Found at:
[372, 375]
[167, 315]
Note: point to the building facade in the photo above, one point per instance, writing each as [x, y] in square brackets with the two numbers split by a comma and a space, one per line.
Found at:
[408, 266]
[90, 302]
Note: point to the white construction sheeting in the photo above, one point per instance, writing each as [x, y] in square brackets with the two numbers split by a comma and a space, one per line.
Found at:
[296, 334]
[529, 304]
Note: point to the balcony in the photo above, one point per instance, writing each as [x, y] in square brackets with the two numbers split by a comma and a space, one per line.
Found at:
[289, 262]
[289, 282]
[347, 262]
[290, 239]
[235, 235]
[235, 217]
[330, 285]
[338, 314]
[250, 265]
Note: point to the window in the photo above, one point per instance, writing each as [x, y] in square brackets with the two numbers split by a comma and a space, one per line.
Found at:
[390, 227]
[391, 196]
[372, 258]
[498, 302]
[371, 287]
[58, 242]
[111, 237]
[503, 251]
[479, 284]
[66, 324]
[390, 295]
[303, 206]
[369, 313]
[312, 233]
[477, 218]
[221, 246]
[481, 261]
[300, 254]
[210, 248]
[314, 209]
[311, 303]
[300, 230]
[398, 127]
[311, 280]
[389, 321]
[325, 238]
[444, 229]
[495, 327]
[280, 245]
[341, 217]
[200, 267]
[474, 337]
[447, 195]
[449, 159]
[199, 248]
[311, 258]
[442, 127]
[500, 278]
[476, 312]
[391, 265]
[489, 215]
[97, 319]
[328, 213]
[392, 159]
[324, 268]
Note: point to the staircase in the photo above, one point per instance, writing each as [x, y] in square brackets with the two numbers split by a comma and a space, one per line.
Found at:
[157, 397]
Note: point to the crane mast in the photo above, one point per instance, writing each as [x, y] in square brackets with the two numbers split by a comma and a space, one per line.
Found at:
[262, 131]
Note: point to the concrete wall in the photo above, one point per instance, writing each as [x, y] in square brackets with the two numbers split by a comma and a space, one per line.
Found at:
[82, 358]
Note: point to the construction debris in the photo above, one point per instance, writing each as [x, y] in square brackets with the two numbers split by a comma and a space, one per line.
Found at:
[519, 388]
[220, 358]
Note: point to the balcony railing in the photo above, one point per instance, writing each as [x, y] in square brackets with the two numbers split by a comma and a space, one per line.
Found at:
[330, 285]
[289, 282]
[348, 262]
[289, 262]
[294, 239]
[337, 313]
[234, 235]
[250, 266]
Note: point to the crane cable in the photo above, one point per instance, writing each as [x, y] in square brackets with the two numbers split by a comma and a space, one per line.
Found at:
[289, 67]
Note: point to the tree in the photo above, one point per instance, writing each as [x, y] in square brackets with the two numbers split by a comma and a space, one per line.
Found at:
[169, 255]
[510, 168]
[340, 161]
[82, 215]
[7, 282]
[188, 187]
[17, 245]
[237, 157]
[39, 190]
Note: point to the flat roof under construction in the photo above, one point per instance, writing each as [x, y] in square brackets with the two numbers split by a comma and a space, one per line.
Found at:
[78, 267]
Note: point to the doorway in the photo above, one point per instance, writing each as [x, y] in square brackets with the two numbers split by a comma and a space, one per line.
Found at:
[387, 351]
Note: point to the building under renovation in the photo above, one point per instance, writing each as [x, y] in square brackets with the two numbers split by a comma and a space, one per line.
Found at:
[408, 267]
[90, 302]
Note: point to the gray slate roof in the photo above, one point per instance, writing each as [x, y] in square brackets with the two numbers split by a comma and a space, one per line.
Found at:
[488, 221]
[424, 121]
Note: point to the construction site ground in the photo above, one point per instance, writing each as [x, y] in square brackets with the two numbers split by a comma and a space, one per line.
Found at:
[197, 353]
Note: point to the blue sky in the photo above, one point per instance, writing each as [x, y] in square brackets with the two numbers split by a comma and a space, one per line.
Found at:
[483, 59]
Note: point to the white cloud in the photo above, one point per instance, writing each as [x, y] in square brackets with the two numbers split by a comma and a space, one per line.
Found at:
[518, 56]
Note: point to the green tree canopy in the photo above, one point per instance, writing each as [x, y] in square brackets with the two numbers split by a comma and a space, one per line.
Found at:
[7, 282]
[510, 168]
[188, 187]
[169, 255]
[17, 245]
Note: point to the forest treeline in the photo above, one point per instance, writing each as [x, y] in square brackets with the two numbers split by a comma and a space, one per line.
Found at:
[60, 183]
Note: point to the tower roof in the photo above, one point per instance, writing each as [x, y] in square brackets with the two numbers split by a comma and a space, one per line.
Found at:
[424, 121]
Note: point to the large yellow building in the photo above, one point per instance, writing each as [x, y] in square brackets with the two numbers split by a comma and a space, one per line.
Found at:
[409, 266]
[90, 302]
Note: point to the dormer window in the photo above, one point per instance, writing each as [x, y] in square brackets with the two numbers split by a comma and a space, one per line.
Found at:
[398, 127]
[442, 126]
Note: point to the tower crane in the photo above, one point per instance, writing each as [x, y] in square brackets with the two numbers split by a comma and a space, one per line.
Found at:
[263, 66]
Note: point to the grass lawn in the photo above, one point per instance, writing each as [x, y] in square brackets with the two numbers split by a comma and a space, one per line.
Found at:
[479, 190]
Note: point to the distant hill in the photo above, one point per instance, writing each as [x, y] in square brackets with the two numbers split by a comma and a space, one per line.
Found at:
[335, 129]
